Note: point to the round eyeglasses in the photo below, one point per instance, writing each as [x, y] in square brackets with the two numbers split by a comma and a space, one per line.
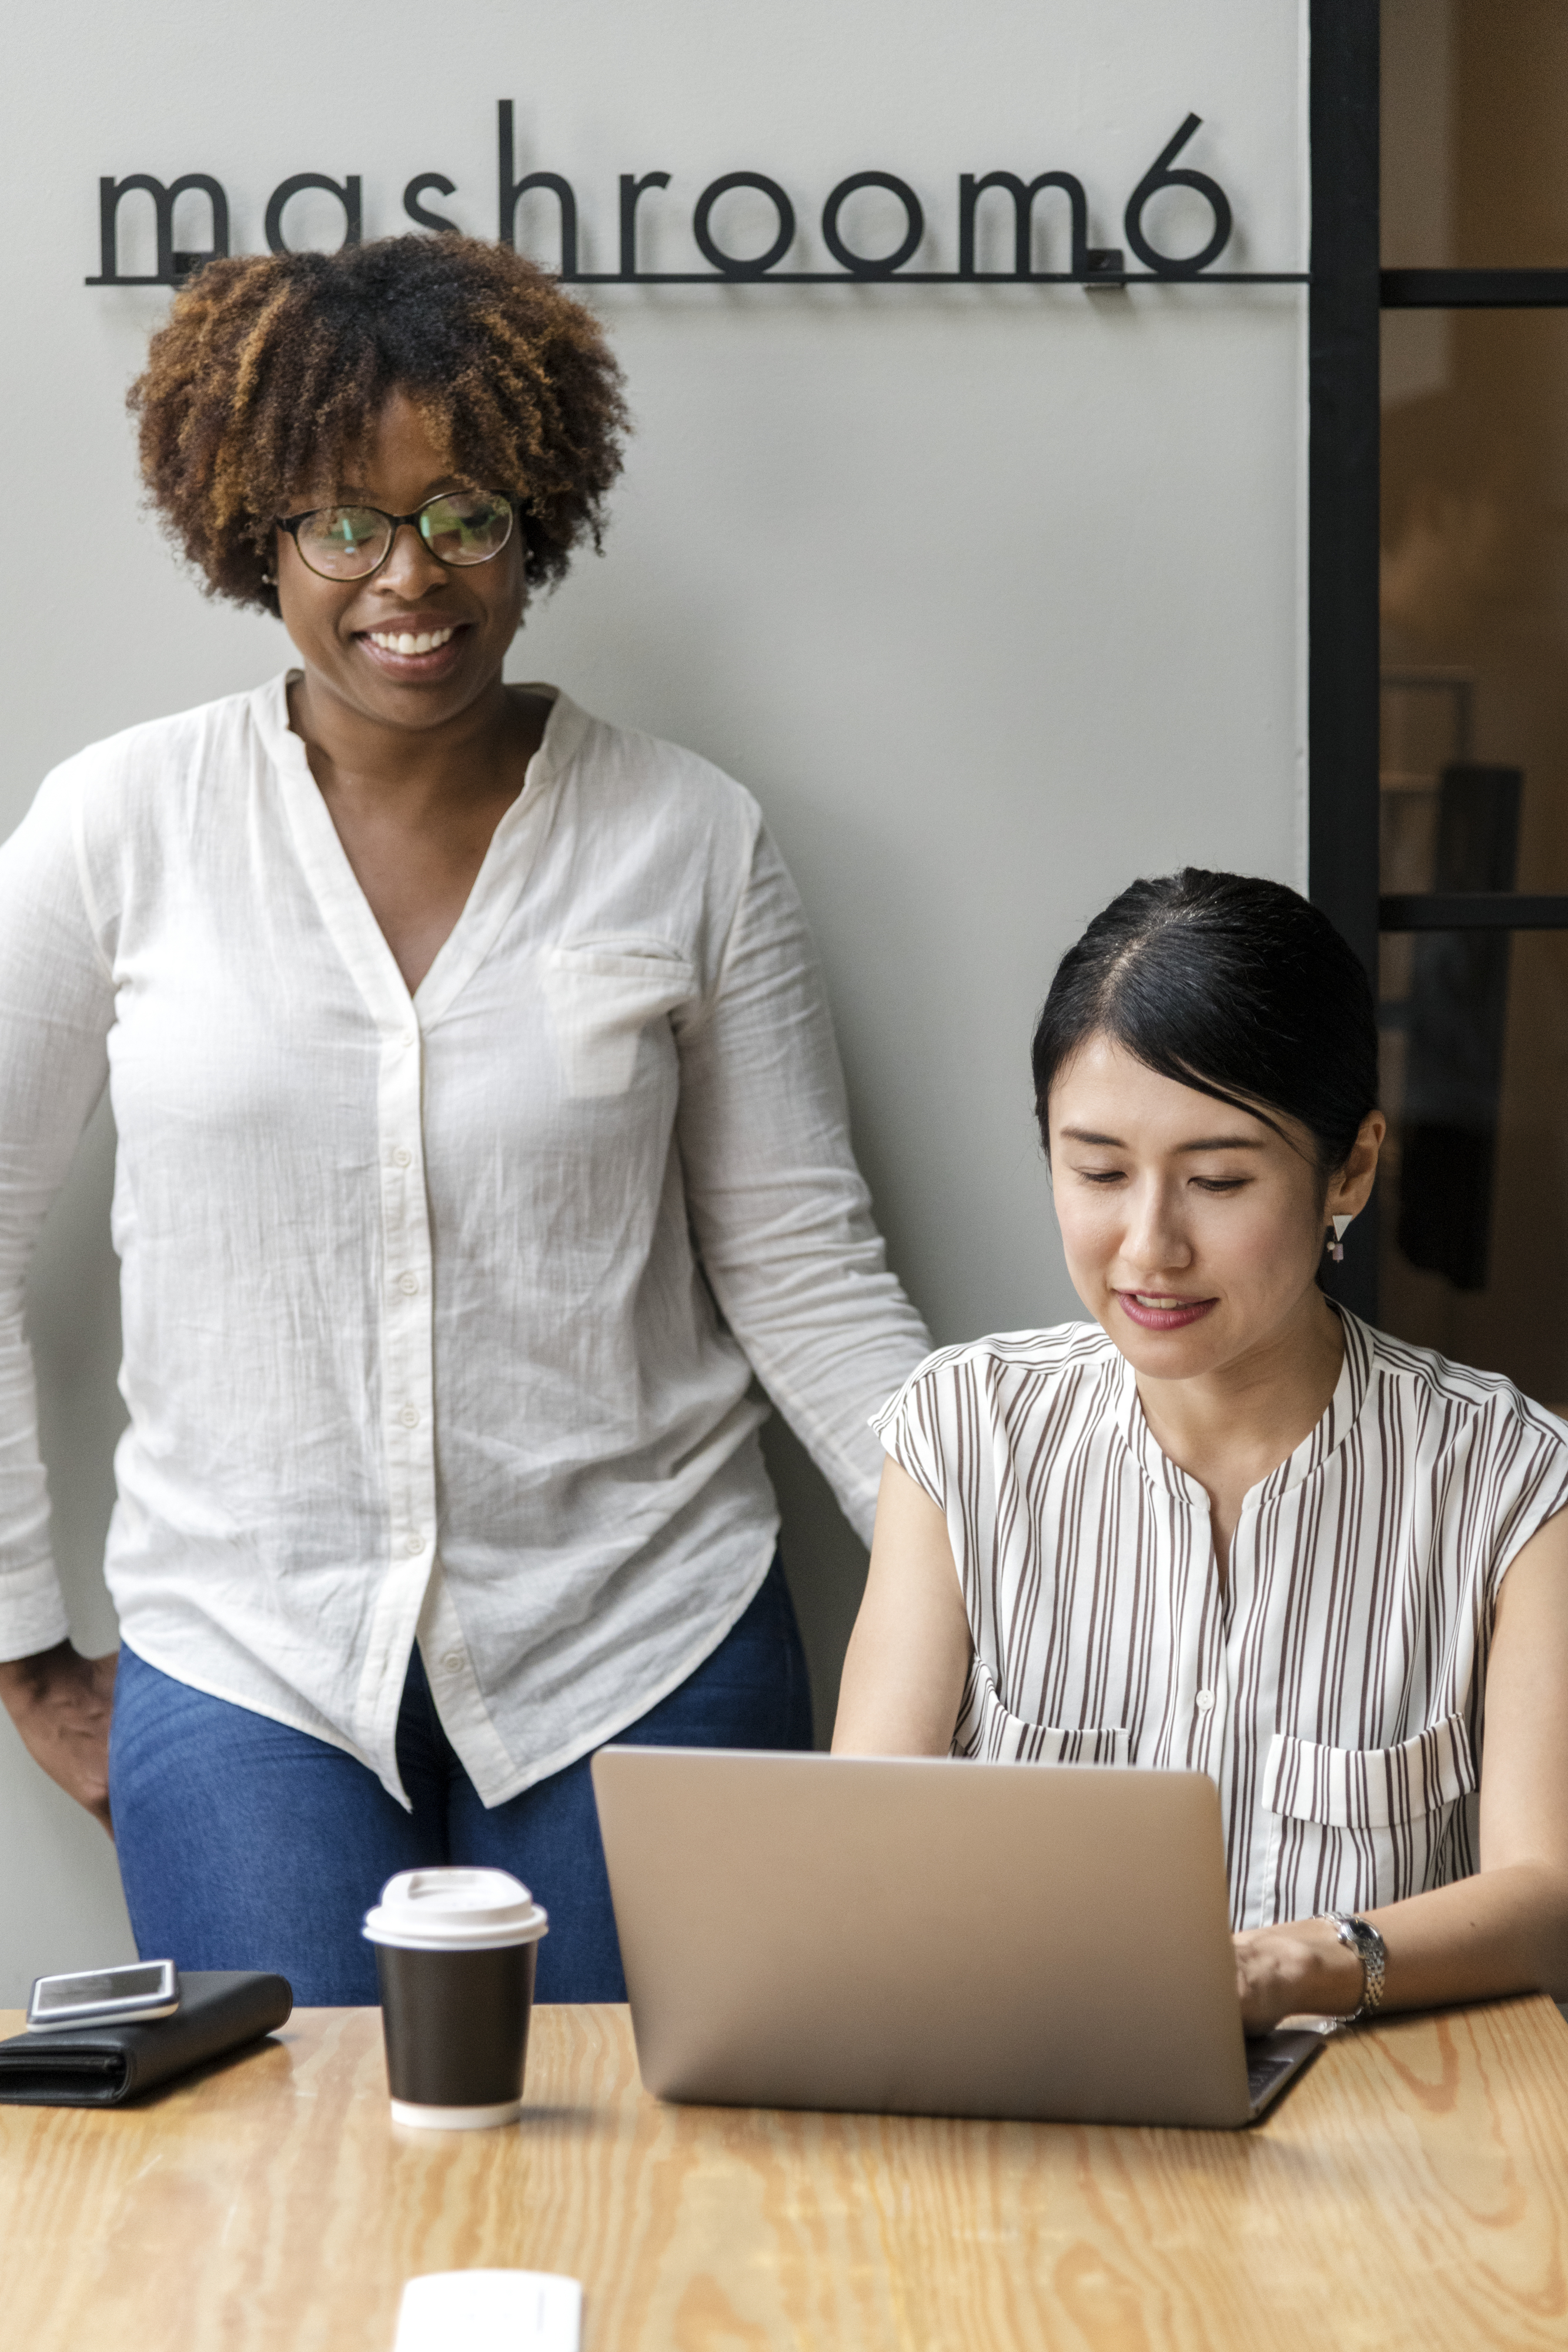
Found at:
[459, 527]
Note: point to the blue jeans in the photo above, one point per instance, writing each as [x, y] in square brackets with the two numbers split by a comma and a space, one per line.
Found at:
[245, 1844]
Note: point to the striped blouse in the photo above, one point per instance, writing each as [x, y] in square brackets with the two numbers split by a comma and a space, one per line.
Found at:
[1334, 1689]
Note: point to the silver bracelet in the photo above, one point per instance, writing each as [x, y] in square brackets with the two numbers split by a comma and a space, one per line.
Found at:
[1359, 1937]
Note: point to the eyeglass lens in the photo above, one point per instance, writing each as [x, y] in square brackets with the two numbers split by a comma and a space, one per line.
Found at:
[347, 543]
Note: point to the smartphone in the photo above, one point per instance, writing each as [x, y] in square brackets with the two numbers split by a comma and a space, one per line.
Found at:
[129, 1996]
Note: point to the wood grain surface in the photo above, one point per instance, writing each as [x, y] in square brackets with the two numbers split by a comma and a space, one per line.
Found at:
[1411, 2191]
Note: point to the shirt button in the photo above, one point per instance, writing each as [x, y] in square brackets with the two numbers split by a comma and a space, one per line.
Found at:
[413, 1544]
[408, 1038]
[1204, 1701]
[453, 1661]
[408, 1282]
[409, 1416]
[401, 1157]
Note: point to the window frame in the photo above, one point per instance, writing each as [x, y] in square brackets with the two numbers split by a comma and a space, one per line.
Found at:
[1349, 292]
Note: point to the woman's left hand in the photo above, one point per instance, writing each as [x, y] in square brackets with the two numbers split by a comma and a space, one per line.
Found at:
[1504, 1929]
[1300, 1969]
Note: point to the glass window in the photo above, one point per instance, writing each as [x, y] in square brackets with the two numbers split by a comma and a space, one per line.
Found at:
[1473, 1207]
[1473, 1204]
[1474, 572]
[1475, 164]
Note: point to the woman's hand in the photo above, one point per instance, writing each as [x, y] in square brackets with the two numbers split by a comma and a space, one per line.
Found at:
[1505, 1930]
[61, 1703]
[1300, 1968]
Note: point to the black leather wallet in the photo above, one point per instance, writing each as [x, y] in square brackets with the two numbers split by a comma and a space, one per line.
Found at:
[98, 2065]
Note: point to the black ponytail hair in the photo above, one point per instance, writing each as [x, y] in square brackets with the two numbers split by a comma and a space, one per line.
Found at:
[1228, 984]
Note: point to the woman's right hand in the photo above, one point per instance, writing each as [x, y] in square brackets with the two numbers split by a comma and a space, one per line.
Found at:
[61, 1703]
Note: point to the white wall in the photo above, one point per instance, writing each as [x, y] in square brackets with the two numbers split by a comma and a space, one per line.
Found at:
[993, 596]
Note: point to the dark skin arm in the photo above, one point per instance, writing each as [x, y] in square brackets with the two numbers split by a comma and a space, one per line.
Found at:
[61, 1702]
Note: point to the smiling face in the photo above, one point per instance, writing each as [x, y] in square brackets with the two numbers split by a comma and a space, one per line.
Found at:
[360, 640]
[1193, 1232]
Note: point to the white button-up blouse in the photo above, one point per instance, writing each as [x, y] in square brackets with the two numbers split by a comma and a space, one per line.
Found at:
[440, 1313]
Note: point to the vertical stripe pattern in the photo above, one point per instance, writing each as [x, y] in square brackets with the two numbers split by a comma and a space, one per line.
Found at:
[1333, 1688]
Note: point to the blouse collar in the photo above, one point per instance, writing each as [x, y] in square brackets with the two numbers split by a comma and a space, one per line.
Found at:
[1321, 1443]
[343, 907]
[563, 733]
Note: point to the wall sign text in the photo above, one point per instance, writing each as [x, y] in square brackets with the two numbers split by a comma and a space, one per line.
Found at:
[1091, 266]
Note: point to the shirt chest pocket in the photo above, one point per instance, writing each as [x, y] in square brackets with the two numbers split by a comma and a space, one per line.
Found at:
[601, 995]
[992, 1733]
[1358, 1826]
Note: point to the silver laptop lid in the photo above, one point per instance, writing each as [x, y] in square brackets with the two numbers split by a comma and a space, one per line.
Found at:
[924, 1936]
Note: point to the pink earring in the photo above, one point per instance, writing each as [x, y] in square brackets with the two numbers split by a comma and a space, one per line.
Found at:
[1336, 1243]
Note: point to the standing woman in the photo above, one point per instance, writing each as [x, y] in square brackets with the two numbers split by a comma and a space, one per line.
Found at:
[480, 1136]
[1226, 1527]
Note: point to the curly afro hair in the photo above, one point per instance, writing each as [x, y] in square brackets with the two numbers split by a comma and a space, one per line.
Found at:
[268, 371]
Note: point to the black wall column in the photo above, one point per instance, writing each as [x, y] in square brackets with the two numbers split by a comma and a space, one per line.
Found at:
[1342, 597]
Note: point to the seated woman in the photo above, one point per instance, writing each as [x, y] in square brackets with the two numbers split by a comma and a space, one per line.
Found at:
[1225, 1526]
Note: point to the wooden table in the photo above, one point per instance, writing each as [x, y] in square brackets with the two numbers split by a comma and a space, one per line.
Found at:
[1412, 2190]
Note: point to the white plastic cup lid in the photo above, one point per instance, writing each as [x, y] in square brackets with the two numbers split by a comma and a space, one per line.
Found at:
[455, 1911]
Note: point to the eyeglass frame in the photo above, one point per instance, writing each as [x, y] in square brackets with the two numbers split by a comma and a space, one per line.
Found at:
[294, 524]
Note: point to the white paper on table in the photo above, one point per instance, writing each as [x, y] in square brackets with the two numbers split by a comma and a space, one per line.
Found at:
[490, 2311]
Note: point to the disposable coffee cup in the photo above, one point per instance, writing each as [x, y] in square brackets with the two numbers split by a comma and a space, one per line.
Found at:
[456, 1951]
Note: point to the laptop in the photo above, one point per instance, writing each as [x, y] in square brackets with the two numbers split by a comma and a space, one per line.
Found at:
[931, 1936]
